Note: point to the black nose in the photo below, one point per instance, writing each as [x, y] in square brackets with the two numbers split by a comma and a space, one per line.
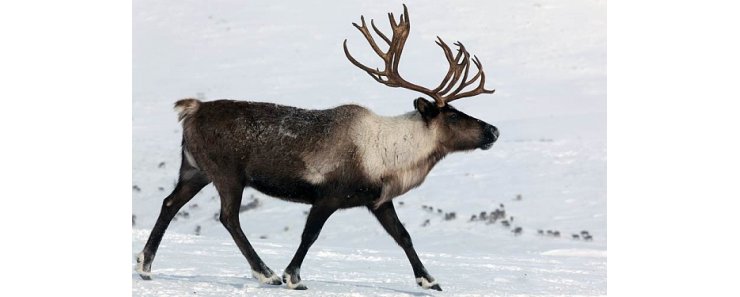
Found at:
[493, 131]
[490, 134]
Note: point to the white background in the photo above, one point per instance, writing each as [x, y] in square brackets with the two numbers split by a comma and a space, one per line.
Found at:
[67, 140]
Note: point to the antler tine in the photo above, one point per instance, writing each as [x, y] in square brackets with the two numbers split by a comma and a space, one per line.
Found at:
[450, 60]
[456, 66]
[480, 68]
[372, 72]
[400, 34]
[388, 41]
[392, 20]
[465, 62]
[462, 61]
[480, 89]
[363, 29]
[406, 13]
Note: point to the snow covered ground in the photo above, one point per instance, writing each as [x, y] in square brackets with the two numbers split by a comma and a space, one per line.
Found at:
[545, 58]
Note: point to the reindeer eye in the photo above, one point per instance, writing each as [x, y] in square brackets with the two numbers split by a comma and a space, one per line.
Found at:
[452, 117]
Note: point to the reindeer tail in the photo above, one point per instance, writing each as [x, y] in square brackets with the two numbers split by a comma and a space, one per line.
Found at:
[186, 108]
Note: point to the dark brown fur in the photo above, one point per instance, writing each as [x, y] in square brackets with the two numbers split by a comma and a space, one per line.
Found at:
[263, 144]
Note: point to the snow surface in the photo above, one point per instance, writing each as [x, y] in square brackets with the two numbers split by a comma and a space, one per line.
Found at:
[545, 58]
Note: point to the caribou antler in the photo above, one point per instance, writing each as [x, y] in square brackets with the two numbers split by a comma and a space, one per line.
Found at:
[459, 65]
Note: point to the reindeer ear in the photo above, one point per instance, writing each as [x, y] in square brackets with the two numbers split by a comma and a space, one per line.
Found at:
[427, 109]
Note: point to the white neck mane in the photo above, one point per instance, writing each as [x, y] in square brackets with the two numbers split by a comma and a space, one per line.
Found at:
[388, 144]
[394, 150]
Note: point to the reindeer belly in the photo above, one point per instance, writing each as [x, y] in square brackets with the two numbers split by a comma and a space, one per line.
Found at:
[294, 190]
[338, 190]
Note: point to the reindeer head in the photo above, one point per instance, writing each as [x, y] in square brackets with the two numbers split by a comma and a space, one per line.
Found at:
[456, 130]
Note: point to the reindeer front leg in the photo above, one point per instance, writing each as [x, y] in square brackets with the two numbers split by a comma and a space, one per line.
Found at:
[386, 215]
[315, 221]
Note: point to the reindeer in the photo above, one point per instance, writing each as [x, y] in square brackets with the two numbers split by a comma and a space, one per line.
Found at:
[332, 159]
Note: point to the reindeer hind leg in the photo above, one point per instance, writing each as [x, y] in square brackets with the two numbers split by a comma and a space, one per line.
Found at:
[190, 182]
[231, 187]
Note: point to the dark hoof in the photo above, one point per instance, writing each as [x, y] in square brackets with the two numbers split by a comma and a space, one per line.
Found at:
[300, 287]
[275, 282]
[293, 282]
[144, 270]
[273, 279]
[425, 283]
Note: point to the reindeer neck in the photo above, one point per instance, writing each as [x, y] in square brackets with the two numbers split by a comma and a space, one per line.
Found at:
[395, 144]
